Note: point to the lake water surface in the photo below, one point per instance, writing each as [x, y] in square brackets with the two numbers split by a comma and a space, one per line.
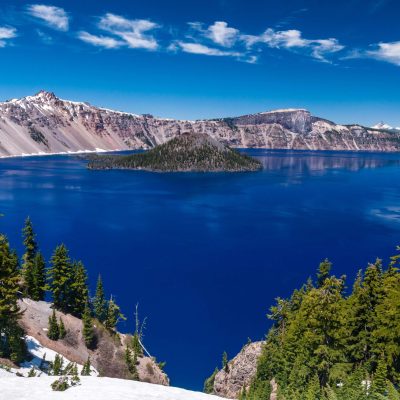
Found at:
[206, 254]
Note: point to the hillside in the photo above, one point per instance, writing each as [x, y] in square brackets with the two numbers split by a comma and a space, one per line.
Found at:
[45, 124]
[187, 152]
[109, 356]
[92, 388]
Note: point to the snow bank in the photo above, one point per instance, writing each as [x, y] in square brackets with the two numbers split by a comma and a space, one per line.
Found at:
[93, 388]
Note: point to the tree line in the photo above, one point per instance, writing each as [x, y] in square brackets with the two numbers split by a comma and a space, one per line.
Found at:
[64, 282]
[330, 343]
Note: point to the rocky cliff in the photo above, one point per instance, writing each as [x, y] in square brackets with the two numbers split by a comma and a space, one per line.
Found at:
[239, 372]
[44, 123]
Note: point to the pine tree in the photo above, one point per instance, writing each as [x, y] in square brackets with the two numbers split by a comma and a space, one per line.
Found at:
[323, 272]
[60, 278]
[86, 368]
[88, 333]
[99, 302]
[11, 344]
[209, 383]
[114, 315]
[79, 289]
[53, 331]
[225, 361]
[28, 259]
[61, 329]
[57, 365]
[38, 289]
[379, 382]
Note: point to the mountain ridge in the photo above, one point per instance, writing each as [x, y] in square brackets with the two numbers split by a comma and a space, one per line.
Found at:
[46, 124]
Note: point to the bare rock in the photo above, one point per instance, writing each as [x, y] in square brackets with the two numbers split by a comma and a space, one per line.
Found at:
[240, 371]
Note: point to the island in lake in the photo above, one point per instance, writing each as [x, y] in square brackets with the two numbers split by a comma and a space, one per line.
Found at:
[189, 152]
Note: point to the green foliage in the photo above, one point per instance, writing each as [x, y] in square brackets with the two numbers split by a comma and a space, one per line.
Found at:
[86, 368]
[209, 383]
[53, 331]
[114, 315]
[32, 373]
[88, 333]
[187, 152]
[79, 289]
[61, 329]
[12, 345]
[225, 361]
[100, 302]
[61, 384]
[56, 366]
[326, 344]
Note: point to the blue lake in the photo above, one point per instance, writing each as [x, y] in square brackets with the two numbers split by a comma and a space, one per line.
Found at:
[206, 254]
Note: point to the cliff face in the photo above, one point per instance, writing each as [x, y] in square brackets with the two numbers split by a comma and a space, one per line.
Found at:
[46, 124]
[240, 371]
[109, 357]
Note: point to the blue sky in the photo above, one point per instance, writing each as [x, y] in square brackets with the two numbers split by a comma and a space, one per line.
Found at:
[197, 59]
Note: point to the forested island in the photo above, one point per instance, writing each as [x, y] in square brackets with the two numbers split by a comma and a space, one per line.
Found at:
[193, 152]
[328, 342]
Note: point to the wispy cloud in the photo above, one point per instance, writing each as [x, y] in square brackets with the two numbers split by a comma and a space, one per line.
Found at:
[133, 32]
[55, 17]
[389, 52]
[6, 33]
[292, 39]
[220, 33]
[100, 41]
[197, 48]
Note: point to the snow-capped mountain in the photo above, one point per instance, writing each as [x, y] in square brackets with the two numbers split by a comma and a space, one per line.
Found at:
[44, 124]
[382, 125]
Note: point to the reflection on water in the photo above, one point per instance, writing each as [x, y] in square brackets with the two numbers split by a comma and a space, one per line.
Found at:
[317, 162]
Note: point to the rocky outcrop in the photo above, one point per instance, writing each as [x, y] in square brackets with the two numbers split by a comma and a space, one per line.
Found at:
[44, 124]
[109, 356]
[238, 374]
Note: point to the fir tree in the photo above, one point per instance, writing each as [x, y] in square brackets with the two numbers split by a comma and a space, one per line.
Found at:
[114, 315]
[86, 368]
[79, 289]
[88, 333]
[38, 289]
[225, 361]
[61, 329]
[323, 272]
[28, 259]
[60, 278]
[53, 331]
[209, 382]
[57, 365]
[12, 344]
[99, 302]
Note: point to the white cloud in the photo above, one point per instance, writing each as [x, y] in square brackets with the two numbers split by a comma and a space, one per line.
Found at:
[292, 39]
[100, 41]
[389, 52]
[220, 33]
[133, 32]
[55, 17]
[197, 48]
[6, 33]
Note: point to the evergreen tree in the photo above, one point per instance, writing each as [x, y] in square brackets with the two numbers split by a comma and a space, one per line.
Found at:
[61, 329]
[28, 259]
[100, 302]
[131, 361]
[225, 362]
[60, 278]
[38, 288]
[57, 365]
[12, 344]
[209, 382]
[323, 272]
[86, 368]
[53, 331]
[79, 289]
[379, 382]
[88, 333]
[114, 315]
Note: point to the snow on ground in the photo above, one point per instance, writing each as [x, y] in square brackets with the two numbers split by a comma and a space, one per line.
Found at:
[93, 388]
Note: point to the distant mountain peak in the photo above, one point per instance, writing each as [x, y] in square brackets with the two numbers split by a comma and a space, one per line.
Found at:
[382, 125]
[46, 95]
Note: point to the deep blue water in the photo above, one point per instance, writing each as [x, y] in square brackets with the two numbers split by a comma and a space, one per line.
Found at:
[206, 254]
